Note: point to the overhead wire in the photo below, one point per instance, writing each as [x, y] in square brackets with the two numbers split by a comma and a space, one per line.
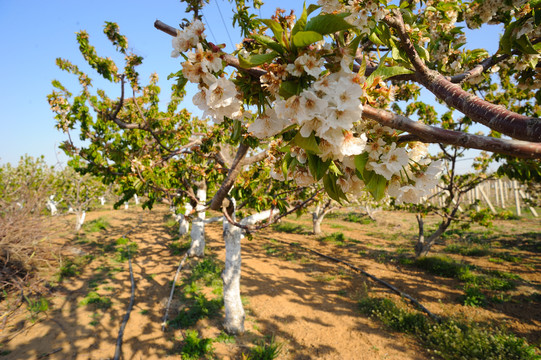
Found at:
[225, 26]
[208, 27]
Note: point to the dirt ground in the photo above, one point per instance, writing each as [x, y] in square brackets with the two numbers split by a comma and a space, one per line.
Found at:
[306, 303]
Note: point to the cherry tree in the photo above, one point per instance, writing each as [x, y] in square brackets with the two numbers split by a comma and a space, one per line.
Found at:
[314, 99]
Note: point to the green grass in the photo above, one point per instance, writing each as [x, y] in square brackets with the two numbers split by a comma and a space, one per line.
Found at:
[179, 247]
[96, 225]
[479, 284]
[358, 218]
[467, 250]
[36, 306]
[337, 238]
[194, 347]
[205, 273]
[93, 298]
[289, 228]
[225, 338]
[200, 308]
[451, 339]
[72, 267]
[124, 248]
[264, 351]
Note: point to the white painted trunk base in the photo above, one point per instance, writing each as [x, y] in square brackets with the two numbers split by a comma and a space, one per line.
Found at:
[234, 311]
[79, 220]
[197, 247]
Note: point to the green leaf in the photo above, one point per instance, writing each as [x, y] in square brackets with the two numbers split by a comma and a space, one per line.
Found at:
[353, 45]
[360, 162]
[276, 29]
[301, 23]
[376, 185]
[307, 143]
[312, 8]
[334, 169]
[267, 41]
[385, 72]
[289, 88]
[375, 39]
[255, 60]
[332, 188]
[327, 24]
[423, 53]
[305, 38]
[318, 168]
[526, 46]
[506, 40]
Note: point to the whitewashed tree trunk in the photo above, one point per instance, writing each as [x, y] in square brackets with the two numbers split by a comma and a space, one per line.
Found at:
[126, 205]
[234, 311]
[51, 205]
[102, 200]
[79, 220]
[136, 199]
[197, 247]
[184, 225]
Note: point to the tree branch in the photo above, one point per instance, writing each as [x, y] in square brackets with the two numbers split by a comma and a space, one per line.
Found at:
[234, 170]
[431, 134]
[494, 116]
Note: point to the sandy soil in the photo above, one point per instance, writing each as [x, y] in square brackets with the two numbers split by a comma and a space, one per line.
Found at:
[307, 304]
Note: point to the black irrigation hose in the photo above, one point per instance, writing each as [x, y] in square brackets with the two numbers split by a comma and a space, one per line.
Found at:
[118, 349]
[376, 279]
[127, 316]
[164, 322]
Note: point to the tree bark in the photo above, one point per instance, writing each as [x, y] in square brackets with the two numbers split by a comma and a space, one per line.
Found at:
[234, 311]
[197, 247]
[184, 225]
[423, 245]
[79, 220]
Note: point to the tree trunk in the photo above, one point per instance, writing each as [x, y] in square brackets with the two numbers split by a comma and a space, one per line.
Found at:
[317, 218]
[423, 245]
[184, 225]
[79, 220]
[126, 205]
[318, 215]
[234, 311]
[197, 247]
[136, 199]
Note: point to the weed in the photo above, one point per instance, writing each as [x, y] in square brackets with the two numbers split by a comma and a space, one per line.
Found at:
[450, 339]
[225, 338]
[338, 226]
[178, 247]
[264, 351]
[35, 307]
[201, 308]
[337, 238]
[473, 296]
[475, 250]
[195, 347]
[289, 228]
[124, 252]
[324, 278]
[440, 266]
[96, 225]
[96, 299]
[209, 271]
[269, 249]
[357, 218]
[144, 312]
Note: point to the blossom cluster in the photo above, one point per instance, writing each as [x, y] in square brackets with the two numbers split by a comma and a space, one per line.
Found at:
[328, 109]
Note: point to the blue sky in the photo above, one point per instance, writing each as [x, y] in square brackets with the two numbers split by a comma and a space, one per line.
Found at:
[35, 33]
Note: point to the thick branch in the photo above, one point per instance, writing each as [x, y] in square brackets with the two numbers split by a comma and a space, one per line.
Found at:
[497, 118]
[430, 134]
[494, 116]
[234, 171]
[255, 158]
